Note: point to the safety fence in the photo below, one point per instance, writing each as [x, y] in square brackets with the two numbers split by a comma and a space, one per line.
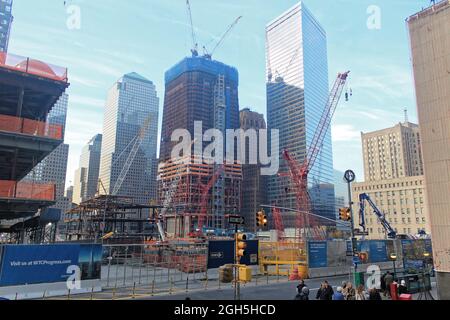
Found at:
[32, 66]
[27, 190]
[30, 127]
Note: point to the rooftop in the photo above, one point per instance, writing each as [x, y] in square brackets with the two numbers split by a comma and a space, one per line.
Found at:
[440, 5]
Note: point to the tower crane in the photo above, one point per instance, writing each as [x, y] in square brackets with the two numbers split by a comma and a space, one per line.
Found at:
[194, 49]
[219, 43]
[299, 171]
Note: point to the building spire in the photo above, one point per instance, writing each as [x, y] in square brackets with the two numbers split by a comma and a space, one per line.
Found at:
[406, 115]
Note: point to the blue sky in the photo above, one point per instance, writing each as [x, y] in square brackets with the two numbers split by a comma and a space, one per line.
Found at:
[149, 36]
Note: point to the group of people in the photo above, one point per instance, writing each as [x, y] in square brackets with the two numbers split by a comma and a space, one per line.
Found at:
[347, 292]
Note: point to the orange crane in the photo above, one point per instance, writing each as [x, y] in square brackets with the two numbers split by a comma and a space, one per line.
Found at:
[298, 172]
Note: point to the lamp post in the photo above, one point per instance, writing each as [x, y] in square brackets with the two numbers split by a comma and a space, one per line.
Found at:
[393, 257]
[426, 256]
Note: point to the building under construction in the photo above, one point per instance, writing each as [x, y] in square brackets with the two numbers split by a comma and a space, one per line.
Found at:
[198, 89]
[113, 218]
[204, 194]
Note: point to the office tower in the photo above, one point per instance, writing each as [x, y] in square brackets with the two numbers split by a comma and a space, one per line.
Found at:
[204, 90]
[253, 183]
[430, 46]
[27, 136]
[6, 19]
[297, 92]
[53, 168]
[86, 176]
[131, 109]
[393, 152]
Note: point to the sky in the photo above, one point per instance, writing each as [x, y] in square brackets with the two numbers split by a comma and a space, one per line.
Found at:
[149, 36]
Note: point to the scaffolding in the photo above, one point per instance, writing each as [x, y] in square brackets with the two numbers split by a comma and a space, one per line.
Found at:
[182, 217]
[121, 217]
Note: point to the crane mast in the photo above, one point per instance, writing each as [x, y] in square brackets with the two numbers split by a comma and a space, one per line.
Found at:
[391, 233]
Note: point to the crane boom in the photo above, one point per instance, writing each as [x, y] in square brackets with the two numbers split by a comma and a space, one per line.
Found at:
[299, 172]
[194, 49]
[391, 233]
[129, 161]
[219, 43]
[325, 121]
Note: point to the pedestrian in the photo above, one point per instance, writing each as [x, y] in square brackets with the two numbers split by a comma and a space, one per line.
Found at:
[349, 292]
[388, 280]
[402, 288]
[303, 295]
[361, 293]
[325, 292]
[374, 294]
[300, 286]
[344, 285]
[338, 294]
[383, 283]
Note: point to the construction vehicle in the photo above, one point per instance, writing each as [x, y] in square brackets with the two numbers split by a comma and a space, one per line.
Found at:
[391, 233]
[299, 172]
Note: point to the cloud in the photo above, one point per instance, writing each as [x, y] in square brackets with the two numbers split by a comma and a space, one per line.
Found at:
[345, 132]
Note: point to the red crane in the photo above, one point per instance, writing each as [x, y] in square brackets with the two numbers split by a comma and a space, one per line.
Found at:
[204, 201]
[298, 172]
[278, 221]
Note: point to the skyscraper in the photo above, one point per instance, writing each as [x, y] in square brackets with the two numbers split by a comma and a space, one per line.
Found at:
[86, 176]
[6, 19]
[53, 168]
[297, 92]
[253, 183]
[131, 105]
[430, 45]
[199, 89]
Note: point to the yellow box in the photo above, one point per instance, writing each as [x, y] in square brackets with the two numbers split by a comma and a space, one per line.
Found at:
[245, 274]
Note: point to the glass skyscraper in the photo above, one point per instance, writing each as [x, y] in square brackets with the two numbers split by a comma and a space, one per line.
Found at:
[297, 92]
[131, 103]
[6, 19]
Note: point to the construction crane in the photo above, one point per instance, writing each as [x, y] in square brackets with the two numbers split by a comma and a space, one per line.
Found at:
[194, 49]
[204, 199]
[137, 141]
[219, 43]
[299, 172]
[391, 233]
[278, 221]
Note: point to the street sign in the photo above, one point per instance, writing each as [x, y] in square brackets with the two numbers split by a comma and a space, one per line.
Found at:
[349, 176]
[238, 220]
[361, 233]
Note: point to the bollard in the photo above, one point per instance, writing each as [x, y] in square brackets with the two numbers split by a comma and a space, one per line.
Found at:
[68, 294]
[153, 288]
[92, 293]
[114, 293]
[171, 286]
[15, 297]
[187, 284]
[134, 290]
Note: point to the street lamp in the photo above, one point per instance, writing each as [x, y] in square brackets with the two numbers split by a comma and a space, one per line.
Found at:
[393, 257]
[426, 256]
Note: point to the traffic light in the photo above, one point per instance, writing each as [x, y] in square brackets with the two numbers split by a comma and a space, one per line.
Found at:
[261, 219]
[345, 214]
[241, 245]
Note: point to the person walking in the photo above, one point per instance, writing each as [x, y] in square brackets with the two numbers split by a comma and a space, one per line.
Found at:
[338, 294]
[349, 292]
[303, 295]
[300, 286]
[374, 294]
[360, 293]
[388, 280]
[402, 288]
[325, 292]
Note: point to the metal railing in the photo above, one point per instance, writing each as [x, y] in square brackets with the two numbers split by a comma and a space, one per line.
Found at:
[30, 127]
[32, 66]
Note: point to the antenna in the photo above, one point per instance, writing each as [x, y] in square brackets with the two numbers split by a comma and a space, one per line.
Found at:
[406, 115]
